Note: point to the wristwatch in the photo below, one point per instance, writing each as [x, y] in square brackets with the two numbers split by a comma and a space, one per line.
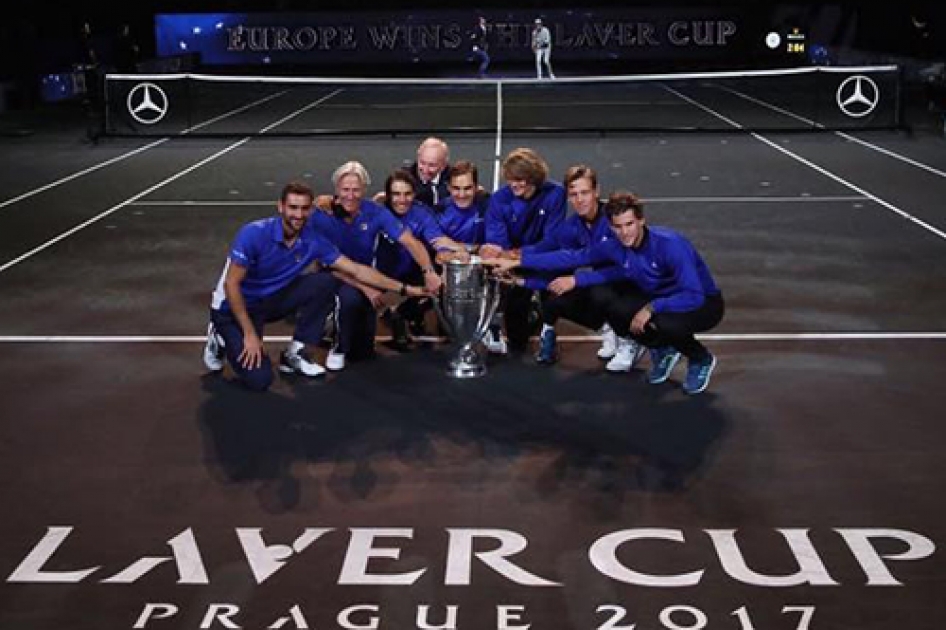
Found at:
[403, 290]
[429, 270]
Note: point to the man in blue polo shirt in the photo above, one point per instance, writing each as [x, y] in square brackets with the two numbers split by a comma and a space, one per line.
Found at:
[355, 225]
[264, 281]
[661, 291]
[396, 261]
[464, 213]
[521, 213]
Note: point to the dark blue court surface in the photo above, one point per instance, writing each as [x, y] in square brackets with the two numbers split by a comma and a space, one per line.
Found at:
[802, 490]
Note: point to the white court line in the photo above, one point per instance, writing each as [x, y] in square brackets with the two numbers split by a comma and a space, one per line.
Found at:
[119, 158]
[761, 199]
[732, 337]
[841, 134]
[822, 170]
[148, 191]
[804, 199]
[116, 207]
[78, 174]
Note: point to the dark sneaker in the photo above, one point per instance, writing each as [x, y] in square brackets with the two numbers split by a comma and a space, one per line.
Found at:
[400, 340]
[698, 375]
[548, 348]
[663, 360]
[213, 350]
[297, 363]
[417, 327]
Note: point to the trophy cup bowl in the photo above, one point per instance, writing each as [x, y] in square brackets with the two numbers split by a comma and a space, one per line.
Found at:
[469, 299]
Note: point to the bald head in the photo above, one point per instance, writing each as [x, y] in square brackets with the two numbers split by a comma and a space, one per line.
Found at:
[432, 156]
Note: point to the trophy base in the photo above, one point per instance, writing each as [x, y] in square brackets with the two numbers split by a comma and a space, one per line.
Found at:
[458, 369]
[467, 364]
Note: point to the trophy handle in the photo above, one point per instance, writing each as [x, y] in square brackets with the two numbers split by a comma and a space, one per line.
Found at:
[441, 315]
[490, 306]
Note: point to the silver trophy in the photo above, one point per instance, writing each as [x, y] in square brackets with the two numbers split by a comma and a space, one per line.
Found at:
[466, 306]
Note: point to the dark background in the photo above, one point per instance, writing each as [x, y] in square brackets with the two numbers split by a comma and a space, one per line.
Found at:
[43, 37]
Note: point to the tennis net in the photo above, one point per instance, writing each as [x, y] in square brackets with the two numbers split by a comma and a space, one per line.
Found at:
[809, 98]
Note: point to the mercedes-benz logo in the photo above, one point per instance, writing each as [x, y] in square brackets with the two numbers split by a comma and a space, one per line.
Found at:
[147, 103]
[858, 95]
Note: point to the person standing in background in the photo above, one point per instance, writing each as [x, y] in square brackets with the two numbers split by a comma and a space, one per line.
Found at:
[480, 46]
[542, 47]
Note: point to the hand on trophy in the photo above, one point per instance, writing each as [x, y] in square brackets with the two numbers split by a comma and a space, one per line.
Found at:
[432, 281]
[417, 291]
[489, 250]
[500, 265]
[507, 278]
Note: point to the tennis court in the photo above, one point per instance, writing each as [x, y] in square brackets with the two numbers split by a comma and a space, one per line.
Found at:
[802, 490]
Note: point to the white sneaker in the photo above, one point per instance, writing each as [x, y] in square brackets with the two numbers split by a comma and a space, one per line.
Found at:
[295, 363]
[495, 343]
[627, 354]
[335, 361]
[609, 342]
[213, 350]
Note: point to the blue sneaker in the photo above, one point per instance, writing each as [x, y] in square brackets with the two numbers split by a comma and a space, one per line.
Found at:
[698, 375]
[548, 348]
[662, 362]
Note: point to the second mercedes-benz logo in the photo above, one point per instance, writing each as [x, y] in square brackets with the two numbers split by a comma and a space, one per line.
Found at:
[858, 95]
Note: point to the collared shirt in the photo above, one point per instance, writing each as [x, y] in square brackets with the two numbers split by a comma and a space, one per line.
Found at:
[665, 266]
[358, 239]
[465, 225]
[392, 258]
[433, 192]
[541, 38]
[270, 264]
[512, 221]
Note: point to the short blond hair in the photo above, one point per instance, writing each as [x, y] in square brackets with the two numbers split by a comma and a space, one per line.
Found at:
[351, 168]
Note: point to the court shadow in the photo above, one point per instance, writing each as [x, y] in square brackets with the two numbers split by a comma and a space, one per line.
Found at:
[552, 432]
